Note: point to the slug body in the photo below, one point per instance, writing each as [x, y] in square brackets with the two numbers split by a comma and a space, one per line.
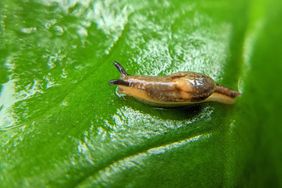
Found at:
[178, 89]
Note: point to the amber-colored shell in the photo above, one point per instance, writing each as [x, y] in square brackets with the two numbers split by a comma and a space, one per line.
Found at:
[178, 89]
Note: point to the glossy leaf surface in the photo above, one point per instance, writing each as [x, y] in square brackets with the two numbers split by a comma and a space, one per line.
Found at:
[62, 124]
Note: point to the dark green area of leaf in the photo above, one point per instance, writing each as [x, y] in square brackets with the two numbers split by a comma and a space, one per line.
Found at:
[62, 125]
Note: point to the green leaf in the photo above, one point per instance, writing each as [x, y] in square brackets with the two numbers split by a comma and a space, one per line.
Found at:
[62, 124]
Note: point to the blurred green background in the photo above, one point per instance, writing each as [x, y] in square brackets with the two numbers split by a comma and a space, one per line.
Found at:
[62, 124]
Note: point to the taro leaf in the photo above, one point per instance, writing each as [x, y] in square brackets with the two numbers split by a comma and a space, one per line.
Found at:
[62, 124]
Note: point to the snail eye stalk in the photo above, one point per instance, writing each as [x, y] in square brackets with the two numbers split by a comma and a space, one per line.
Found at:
[120, 68]
[119, 82]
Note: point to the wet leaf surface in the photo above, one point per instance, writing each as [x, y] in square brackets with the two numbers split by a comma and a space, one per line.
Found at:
[62, 124]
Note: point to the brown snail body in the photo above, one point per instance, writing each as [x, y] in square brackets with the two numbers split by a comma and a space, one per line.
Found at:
[178, 89]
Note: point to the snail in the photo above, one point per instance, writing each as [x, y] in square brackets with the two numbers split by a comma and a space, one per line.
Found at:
[178, 89]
